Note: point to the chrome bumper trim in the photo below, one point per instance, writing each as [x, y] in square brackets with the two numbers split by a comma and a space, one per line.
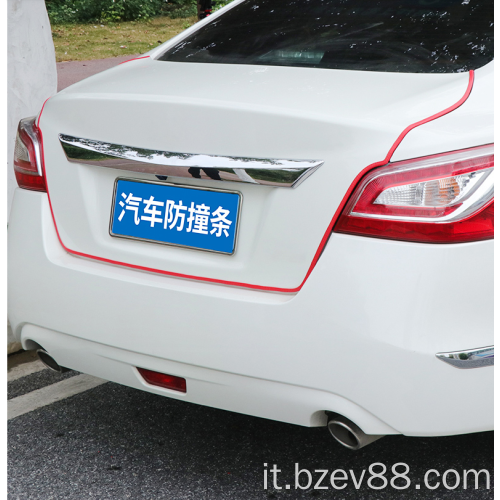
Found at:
[470, 358]
[264, 171]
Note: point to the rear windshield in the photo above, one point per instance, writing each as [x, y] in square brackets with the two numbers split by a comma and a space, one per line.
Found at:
[411, 36]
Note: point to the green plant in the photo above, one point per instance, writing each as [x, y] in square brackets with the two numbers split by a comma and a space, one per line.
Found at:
[81, 11]
[218, 4]
[176, 9]
[115, 11]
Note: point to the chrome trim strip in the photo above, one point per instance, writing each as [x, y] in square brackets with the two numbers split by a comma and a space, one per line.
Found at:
[264, 171]
[469, 358]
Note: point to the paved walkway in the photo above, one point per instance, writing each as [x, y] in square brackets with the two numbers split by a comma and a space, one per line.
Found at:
[73, 71]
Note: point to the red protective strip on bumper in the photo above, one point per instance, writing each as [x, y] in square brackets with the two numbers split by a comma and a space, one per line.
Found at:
[328, 231]
[134, 59]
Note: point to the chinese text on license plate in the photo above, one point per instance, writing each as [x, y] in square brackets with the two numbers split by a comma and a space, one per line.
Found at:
[174, 215]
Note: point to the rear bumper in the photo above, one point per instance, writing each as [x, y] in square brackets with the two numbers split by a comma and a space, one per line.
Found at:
[359, 339]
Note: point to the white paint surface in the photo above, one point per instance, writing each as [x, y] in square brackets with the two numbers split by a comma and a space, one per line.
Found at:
[359, 339]
[32, 75]
[348, 119]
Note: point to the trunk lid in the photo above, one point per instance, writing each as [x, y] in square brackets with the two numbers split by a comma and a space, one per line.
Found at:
[347, 119]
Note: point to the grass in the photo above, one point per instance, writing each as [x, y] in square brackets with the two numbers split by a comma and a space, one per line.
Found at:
[81, 42]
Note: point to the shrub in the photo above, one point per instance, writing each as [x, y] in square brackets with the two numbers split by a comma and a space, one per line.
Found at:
[188, 8]
[82, 11]
[217, 4]
[181, 8]
[94, 11]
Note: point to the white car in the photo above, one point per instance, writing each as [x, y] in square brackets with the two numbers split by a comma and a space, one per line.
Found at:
[285, 211]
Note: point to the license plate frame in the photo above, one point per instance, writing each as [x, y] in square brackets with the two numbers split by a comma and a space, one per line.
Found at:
[114, 203]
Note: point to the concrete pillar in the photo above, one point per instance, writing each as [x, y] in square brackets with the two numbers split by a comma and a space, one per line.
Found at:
[31, 66]
[31, 78]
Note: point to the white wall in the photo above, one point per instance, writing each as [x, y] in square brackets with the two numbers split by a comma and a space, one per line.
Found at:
[31, 66]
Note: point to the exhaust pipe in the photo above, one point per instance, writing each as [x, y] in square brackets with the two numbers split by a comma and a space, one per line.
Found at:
[50, 362]
[348, 434]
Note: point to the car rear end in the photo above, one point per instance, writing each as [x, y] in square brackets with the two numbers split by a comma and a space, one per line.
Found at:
[284, 213]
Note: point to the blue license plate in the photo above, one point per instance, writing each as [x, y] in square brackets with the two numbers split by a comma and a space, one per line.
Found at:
[174, 215]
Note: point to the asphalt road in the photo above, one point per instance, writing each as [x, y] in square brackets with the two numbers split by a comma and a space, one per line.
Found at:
[114, 442]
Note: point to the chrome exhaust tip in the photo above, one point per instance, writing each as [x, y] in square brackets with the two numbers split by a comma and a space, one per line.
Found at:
[348, 434]
[50, 362]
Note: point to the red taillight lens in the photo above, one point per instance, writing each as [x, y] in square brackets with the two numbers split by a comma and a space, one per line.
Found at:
[439, 199]
[162, 380]
[28, 156]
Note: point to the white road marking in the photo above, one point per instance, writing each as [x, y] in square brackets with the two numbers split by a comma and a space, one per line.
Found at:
[24, 370]
[50, 394]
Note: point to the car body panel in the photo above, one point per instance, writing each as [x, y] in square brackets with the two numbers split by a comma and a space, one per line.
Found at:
[348, 119]
[364, 329]
[300, 321]
[469, 125]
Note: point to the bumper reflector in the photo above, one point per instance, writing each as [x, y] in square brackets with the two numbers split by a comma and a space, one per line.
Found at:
[162, 380]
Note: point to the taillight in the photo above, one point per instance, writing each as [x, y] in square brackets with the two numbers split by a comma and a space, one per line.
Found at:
[444, 198]
[28, 156]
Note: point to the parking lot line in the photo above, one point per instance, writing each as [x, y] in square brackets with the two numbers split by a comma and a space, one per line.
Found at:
[25, 369]
[51, 394]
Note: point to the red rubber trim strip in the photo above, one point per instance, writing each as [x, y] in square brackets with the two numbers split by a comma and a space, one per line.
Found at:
[324, 240]
[134, 59]
[431, 118]
[38, 125]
